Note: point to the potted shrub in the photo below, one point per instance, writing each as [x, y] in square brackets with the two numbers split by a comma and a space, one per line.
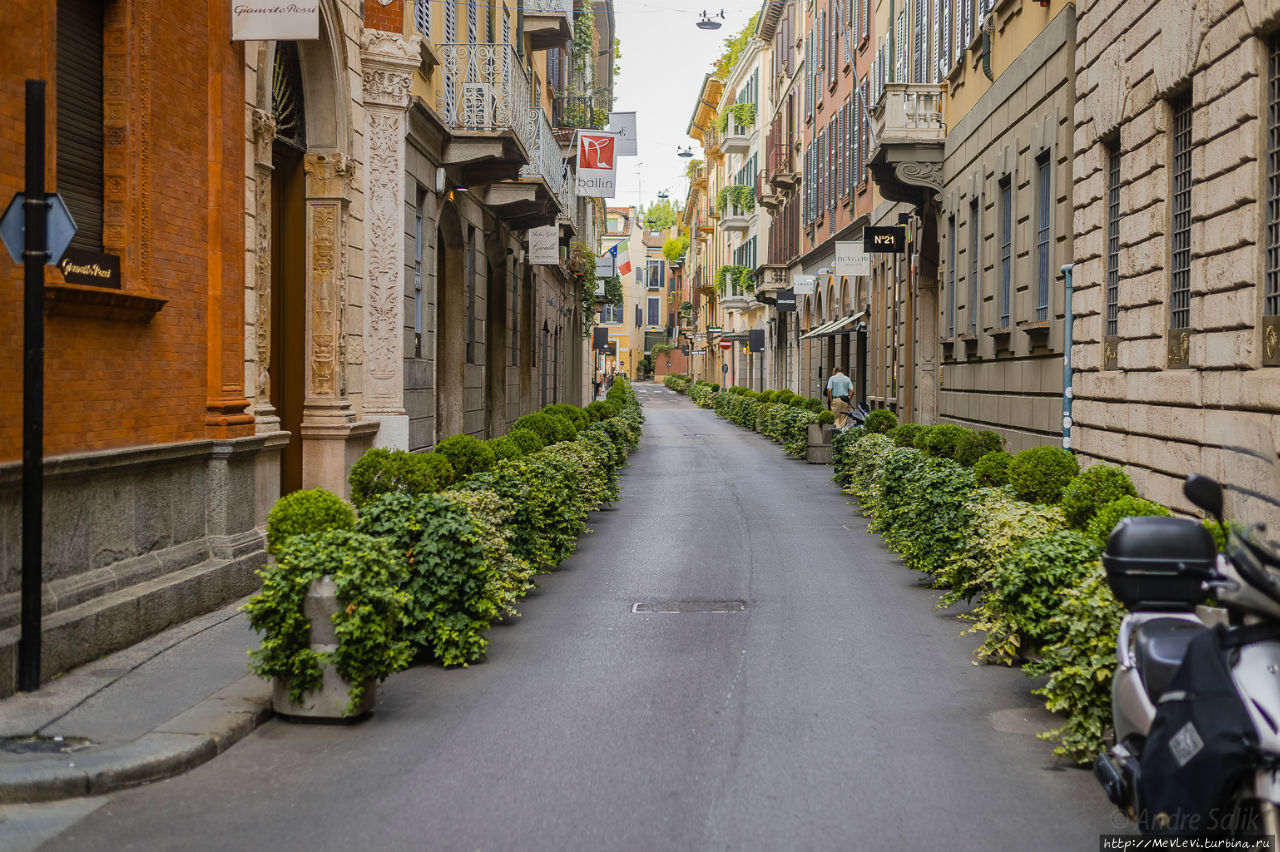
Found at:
[332, 619]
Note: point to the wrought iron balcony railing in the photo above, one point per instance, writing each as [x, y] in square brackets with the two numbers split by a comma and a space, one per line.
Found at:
[576, 111]
[567, 197]
[485, 89]
[546, 159]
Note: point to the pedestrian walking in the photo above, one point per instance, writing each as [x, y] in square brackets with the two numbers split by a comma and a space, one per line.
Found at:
[595, 386]
[839, 390]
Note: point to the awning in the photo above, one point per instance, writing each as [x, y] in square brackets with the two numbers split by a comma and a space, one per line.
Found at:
[836, 326]
[734, 335]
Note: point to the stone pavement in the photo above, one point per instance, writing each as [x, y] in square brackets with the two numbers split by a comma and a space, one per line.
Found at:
[148, 712]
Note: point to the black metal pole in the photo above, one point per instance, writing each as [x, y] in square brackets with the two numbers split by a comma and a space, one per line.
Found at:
[34, 256]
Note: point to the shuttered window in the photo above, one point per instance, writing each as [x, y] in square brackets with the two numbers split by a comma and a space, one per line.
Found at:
[79, 117]
[974, 266]
[1113, 237]
[1006, 249]
[1043, 222]
[1272, 306]
[1180, 168]
[951, 277]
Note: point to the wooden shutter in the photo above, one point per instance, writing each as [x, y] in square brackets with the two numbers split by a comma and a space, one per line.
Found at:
[79, 120]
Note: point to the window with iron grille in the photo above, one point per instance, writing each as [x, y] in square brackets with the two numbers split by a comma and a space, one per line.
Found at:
[79, 97]
[1272, 276]
[422, 16]
[951, 277]
[1006, 248]
[974, 268]
[1113, 237]
[1180, 233]
[1045, 213]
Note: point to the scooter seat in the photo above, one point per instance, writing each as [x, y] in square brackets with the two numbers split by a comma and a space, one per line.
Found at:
[1159, 646]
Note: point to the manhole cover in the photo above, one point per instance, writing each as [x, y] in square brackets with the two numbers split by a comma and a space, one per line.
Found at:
[43, 745]
[689, 606]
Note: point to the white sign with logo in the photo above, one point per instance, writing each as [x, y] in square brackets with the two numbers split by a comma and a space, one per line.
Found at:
[805, 285]
[275, 20]
[597, 163]
[544, 245]
[852, 260]
[624, 124]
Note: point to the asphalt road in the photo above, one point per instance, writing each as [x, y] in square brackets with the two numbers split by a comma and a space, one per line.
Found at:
[837, 710]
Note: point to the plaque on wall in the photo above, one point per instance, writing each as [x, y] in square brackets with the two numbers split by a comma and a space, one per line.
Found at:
[90, 268]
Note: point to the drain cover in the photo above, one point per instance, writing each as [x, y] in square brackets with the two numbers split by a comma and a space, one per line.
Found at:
[43, 745]
[689, 606]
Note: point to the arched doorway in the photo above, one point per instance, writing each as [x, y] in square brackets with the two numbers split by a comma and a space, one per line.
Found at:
[451, 321]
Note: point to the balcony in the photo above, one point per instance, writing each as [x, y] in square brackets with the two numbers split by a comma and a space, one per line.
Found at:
[568, 199]
[736, 218]
[781, 163]
[767, 195]
[906, 159]
[575, 111]
[737, 138]
[548, 23]
[484, 101]
[533, 198]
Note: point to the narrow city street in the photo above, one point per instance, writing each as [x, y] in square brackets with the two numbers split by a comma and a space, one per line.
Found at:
[730, 661]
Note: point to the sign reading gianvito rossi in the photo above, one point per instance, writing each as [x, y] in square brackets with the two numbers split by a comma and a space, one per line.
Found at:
[90, 268]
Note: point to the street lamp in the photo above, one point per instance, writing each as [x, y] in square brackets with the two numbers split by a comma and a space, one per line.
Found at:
[685, 151]
[709, 21]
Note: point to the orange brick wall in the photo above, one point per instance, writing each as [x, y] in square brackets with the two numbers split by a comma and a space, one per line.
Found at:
[111, 382]
[388, 18]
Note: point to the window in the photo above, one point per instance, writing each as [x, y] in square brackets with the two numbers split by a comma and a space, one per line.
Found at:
[473, 21]
[1113, 237]
[419, 214]
[1045, 190]
[422, 17]
[611, 313]
[469, 273]
[974, 267]
[515, 314]
[654, 304]
[1006, 248]
[80, 118]
[655, 274]
[1272, 276]
[450, 23]
[951, 277]
[1180, 233]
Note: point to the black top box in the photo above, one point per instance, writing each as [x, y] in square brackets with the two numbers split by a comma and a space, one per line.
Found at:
[1160, 563]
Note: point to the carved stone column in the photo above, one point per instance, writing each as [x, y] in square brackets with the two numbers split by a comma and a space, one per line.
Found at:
[326, 415]
[388, 63]
[259, 348]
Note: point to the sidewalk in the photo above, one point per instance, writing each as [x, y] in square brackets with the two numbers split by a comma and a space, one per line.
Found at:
[149, 712]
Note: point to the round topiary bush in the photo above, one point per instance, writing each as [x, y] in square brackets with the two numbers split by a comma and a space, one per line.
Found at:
[573, 413]
[768, 396]
[526, 440]
[540, 422]
[974, 445]
[564, 429]
[504, 448]
[826, 417]
[467, 454]
[992, 470]
[907, 434]
[1104, 520]
[941, 441]
[785, 396]
[1091, 490]
[603, 410]
[384, 471]
[311, 511]
[814, 404]
[881, 421]
[1041, 474]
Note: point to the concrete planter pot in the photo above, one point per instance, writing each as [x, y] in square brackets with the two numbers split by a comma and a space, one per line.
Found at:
[330, 700]
[820, 450]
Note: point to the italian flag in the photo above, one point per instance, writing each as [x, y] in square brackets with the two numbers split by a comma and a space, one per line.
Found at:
[624, 259]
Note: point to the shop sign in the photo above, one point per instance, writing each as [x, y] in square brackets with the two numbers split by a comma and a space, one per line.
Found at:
[544, 245]
[851, 260]
[805, 285]
[597, 163]
[91, 268]
[888, 239]
[786, 301]
[275, 20]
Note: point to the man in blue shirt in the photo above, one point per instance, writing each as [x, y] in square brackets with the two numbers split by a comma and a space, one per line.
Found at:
[839, 388]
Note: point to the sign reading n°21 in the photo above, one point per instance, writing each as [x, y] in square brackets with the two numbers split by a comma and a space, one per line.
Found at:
[889, 239]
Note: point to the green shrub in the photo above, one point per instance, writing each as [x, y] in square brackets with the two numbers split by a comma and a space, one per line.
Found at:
[826, 417]
[998, 523]
[1016, 612]
[448, 576]
[906, 434]
[739, 390]
[510, 577]
[992, 470]
[526, 440]
[1091, 490]
[575, 415]
[785, 396]
[941, 441]
[814, 404]
[972, 446]
[1080, 664]
[382, 471]
[467, 454]
[842, 450]
[932, 516]
[1107, 516]
[1039, 474]
[881, 420]
[602, 409]
[768, 396]
[370, 629]
[504, 448]
[301, 512]
[894, 492]
[549, 428]
[870, 454]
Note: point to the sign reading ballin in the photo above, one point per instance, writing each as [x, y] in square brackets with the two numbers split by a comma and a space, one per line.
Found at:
[597, 163]
[275, 20]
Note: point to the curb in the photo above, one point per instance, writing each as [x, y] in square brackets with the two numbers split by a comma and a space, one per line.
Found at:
[184, 742]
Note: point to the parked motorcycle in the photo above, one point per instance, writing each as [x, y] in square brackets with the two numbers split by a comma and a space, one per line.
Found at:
[1196, 708]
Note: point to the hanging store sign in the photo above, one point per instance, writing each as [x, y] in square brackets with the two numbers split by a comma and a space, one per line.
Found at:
[805, 285]
[544, 245]
[786, 301]
[92, 268]
[714, 329]
[889, 239]
[755, 340]
[851, 260]
[275, 20]
[624, 124]
[597, 173]
[600, 339]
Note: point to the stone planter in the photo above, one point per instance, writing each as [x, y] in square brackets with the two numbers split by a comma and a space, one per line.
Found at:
[820, 449]
[331, 699]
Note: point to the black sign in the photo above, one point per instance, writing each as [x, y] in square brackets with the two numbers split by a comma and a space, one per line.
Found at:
[755, 340]
[891, 239]
[90, 267]
[600, 339]
[786, 300]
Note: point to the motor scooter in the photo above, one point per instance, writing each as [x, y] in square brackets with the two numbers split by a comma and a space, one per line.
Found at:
[1195, 707]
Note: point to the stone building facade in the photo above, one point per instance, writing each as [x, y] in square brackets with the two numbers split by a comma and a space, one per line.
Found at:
[1177, 274]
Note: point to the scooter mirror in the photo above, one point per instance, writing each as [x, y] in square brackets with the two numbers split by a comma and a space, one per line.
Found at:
[1205, 493]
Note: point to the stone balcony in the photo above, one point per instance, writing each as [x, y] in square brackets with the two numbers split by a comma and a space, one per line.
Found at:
[737, 138]
[548, 23]
[906, 157]
[484, 103]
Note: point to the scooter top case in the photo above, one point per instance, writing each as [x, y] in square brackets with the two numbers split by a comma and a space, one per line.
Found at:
[1156, 563]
